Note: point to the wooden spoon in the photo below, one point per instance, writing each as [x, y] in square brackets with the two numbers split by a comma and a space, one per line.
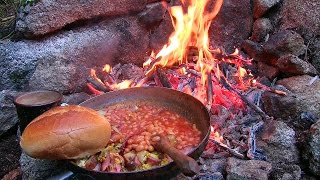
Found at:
[188, 165]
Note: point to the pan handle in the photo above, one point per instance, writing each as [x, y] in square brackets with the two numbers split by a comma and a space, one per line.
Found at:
[188, 165]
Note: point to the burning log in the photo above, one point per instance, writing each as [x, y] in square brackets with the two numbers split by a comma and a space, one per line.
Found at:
[189, 83]
[194, 72]
[163, 77]
[142, 81]
[209, 91]
[157, 80]
[244, 99]
[279, 92]
[192, 83]
[97, 84]
[94, 90]
[108, 79]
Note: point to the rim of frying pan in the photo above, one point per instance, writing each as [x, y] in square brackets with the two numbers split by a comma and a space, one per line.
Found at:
[204, 139]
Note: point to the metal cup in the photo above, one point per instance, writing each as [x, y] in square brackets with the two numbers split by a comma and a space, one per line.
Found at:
[32, 104]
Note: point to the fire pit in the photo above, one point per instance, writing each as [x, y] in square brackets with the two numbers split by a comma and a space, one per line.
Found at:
[257, 72]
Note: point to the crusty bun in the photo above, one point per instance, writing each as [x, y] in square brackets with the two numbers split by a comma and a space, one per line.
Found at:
[68, 132]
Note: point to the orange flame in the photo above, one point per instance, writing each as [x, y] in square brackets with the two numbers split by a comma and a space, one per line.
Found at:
[242, 72]
[147, 63]
[215, 135]
[93, 74]
[123, 85]
[149, 60]
[191, 29]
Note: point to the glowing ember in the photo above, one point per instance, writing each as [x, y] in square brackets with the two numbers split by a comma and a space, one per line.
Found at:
[107, 68]
[215, 135]
[123, 85]
[93, 74]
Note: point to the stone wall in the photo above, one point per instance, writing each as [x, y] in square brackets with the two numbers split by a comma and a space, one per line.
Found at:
[61, 40]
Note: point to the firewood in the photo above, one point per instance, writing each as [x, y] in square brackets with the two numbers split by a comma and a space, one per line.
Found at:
[225, 147]
[163, 77]
[194, 72]
[97, 84]
[209, 91]
[266, 88]
[93, 89]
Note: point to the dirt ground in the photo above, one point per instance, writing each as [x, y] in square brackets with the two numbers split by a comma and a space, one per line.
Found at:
[9, 155]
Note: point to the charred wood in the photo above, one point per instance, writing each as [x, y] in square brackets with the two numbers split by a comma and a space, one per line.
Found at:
[194, 72]
[244, 99]
[266, 88]
[215, 155]
[97, 84]
[163, 77]
[108, 78]
[253, 153]
[227, 148]
[93, 89]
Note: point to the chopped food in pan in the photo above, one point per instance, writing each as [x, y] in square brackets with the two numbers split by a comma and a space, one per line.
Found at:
[130, 148]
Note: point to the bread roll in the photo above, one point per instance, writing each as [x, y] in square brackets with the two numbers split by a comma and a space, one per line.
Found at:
[69, 132]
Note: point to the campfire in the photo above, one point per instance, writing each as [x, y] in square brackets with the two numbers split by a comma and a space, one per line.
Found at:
[188, 63]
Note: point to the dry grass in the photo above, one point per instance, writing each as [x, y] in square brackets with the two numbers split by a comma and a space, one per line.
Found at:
[8, 14]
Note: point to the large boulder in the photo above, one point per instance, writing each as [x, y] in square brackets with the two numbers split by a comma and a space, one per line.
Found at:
[253, 49]
[153, 15]
[265, 70]
[261, 27]
[238, 169]
[161, 34]
[314, 148]
[8, 113]
[293, 65]
[307, 96]
[300, 14]
[17, 63]
[260, 7]
[51, 15]
[55, 74]
[225, 30]
[280, 106]
[315, 53]
[278, 142]
[71, 54]
[283, 43]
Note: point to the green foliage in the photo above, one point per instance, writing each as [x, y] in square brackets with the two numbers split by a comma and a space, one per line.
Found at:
[25, 2]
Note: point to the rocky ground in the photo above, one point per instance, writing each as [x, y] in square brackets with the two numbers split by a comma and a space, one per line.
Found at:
[9, 155]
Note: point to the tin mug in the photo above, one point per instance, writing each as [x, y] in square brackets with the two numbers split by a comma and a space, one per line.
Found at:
[32, 104]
